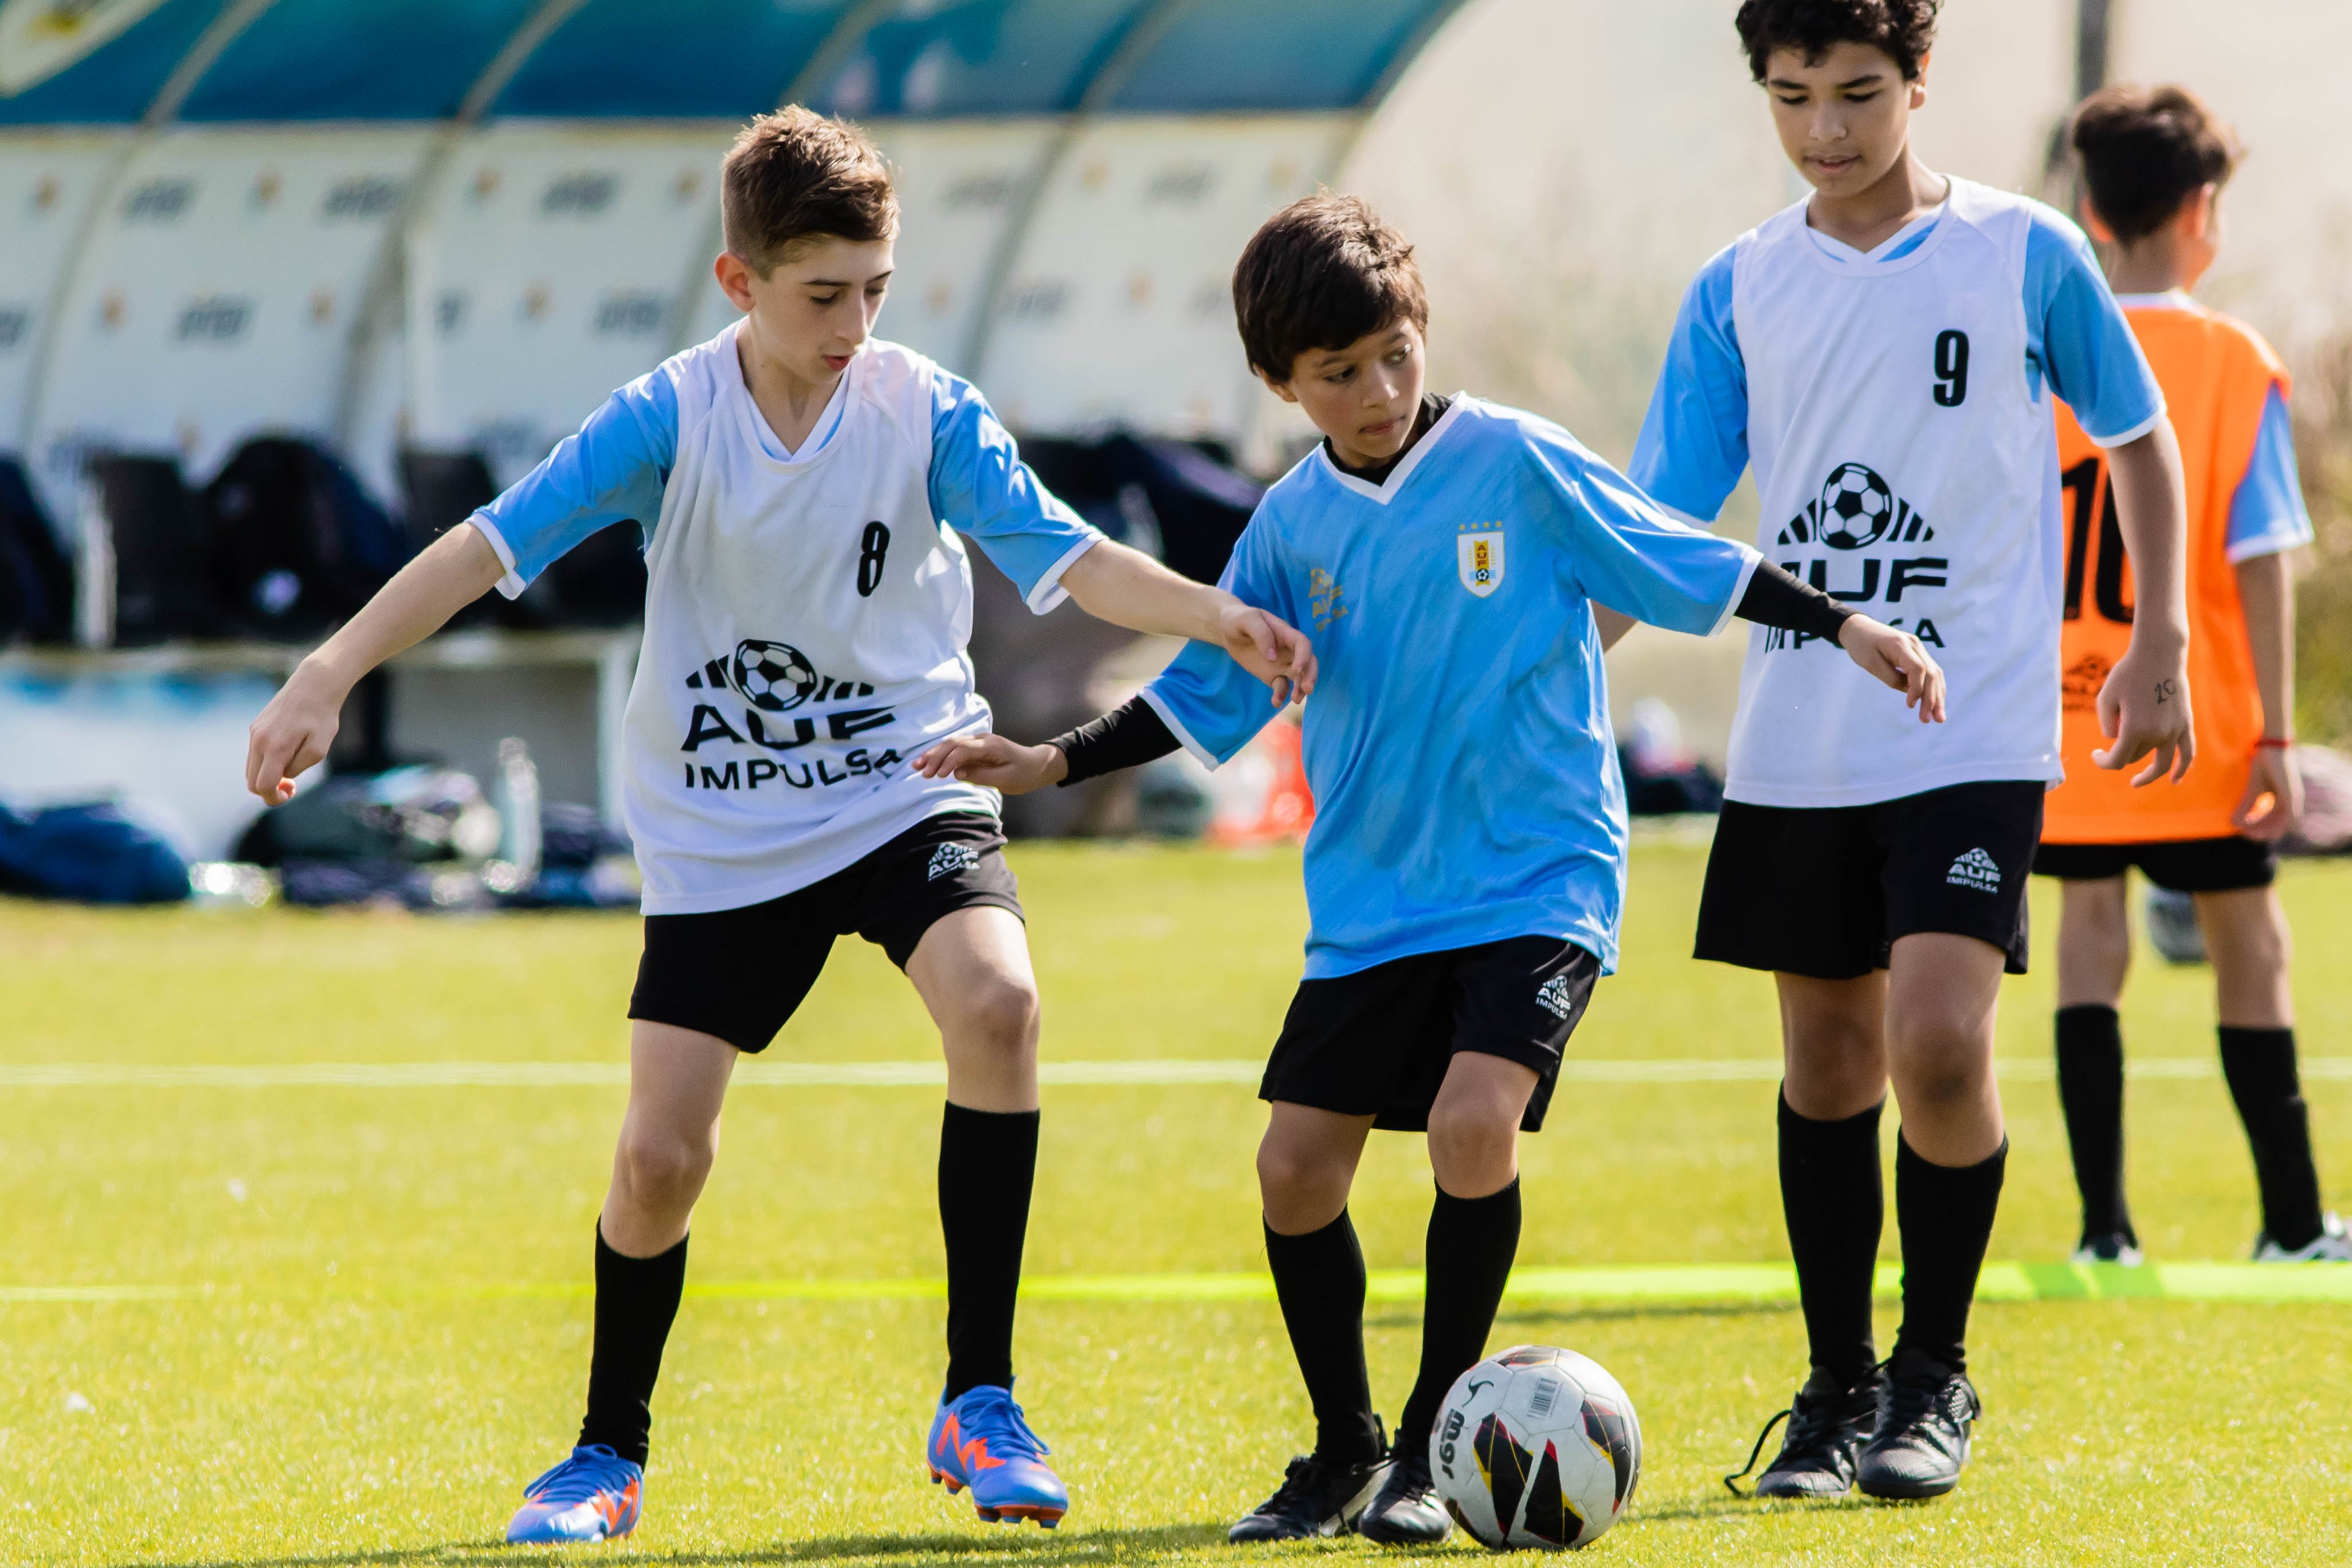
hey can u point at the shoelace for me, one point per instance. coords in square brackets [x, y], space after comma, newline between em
[1301, 1484]
[580, 1477]
[1808, 1433]
[1906, 1403]
[1409, 1475]
[1005, 1427]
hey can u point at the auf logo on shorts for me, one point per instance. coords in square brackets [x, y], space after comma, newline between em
[1557, 997]
[1975, 869]
[949, 859]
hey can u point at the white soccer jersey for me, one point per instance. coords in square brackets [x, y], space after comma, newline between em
[805, 614]
[1897, 409]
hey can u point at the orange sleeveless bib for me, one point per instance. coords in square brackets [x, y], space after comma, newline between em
[2217, 374]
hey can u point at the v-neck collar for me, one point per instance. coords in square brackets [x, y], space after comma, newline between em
[1904, 248]
[762, 435]
[1386, 491]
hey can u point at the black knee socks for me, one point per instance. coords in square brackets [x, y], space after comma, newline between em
[1945, 1217]
[636, 1301]
[1319, 1278]
[988, 1163]
[1835, 1203]
[2260, 1066]
[1471, 1242]
[2091, 1090]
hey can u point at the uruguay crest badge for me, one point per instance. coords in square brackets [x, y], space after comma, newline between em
[1480, 554]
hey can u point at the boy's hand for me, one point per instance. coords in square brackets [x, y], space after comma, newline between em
[1268, 647]
[1898, 659]
[2279, 776]
[995, 763]
[293, 733]
[2144, 708]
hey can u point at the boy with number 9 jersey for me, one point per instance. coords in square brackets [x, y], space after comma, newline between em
[1885, 354]
[801, 487]
[2154, 163]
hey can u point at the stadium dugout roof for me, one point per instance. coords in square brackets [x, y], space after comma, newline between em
[119, 62]
[225, 216]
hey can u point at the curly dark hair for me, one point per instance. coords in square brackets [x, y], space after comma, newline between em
[2146, 151]
[1904, 29]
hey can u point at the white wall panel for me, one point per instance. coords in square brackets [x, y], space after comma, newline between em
[216, 298]
[545, 273]
[47, 185]
[1121, 307]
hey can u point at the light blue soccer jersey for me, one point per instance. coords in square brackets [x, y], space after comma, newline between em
[1458, 744]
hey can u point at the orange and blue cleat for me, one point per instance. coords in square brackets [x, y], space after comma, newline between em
[982, 1440]
[592, 1496]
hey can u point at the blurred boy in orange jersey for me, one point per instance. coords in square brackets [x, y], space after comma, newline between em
[2154, 163]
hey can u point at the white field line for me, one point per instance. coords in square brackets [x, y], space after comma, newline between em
[916, 1074]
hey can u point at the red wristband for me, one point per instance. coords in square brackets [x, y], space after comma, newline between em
[2281, 742]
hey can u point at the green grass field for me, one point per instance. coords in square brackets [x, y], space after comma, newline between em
[288, 1323]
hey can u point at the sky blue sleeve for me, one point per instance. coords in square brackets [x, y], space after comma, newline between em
[2076, 336]
[613, 471]
[1629, 553]
[1694, 442]
[2267, 514]
[982, 488]
[1210, 703]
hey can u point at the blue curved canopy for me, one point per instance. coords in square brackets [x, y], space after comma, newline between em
[329, 60]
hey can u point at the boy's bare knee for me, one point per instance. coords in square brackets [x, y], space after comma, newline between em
[663, 1172]
[1001, 1012]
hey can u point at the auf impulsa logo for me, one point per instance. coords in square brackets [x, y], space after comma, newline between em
[1976, 871]
[1858, 514]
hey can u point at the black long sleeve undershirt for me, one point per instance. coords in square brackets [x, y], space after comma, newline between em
[1133, 734]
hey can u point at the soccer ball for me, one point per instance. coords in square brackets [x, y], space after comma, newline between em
[1857, 508]
[773, 676]
[1535, 1448]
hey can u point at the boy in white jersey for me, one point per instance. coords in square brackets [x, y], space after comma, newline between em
[801, 486]
[1885, 354]
[1467, 861]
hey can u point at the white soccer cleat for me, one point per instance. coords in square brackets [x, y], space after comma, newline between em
[2332, 1245]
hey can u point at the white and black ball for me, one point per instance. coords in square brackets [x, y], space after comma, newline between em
[1536, 1447]
[771, 676]
[1857, 508]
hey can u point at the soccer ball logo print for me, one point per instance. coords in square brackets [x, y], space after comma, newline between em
[1479, 556]
[774, 677]
[1857, 508]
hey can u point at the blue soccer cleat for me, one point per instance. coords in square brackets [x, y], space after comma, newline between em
[983, 1441]
[592, 1496]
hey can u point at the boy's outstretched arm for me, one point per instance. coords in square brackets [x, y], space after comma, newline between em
[1128, 588]
[295, 730]
[1776, 599]
[2143, 706]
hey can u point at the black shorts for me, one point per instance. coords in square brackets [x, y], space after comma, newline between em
[1826, 891]
[2183, 865]
[1377, 1043]
[740, 973]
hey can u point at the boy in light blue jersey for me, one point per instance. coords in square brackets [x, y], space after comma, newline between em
[1467, 862]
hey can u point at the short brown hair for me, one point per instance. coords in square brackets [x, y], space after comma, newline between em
[1903, 30]
[794, 176]
[1319, 274]
[2144, 151]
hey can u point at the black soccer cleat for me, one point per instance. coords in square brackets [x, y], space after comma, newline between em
[1406, 1512]
[1922, 1440]
[1315, 1499]
[1828, 1425]
[2110, 1247]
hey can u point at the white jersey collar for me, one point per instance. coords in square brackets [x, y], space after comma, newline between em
[1387, 491]
[762, 435]
[1928, 230]
[2171, 299]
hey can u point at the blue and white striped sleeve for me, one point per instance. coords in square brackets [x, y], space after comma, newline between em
[2267, 515]
[613, 471]
[2076, 336]
[1694, 442]
[981, 487]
